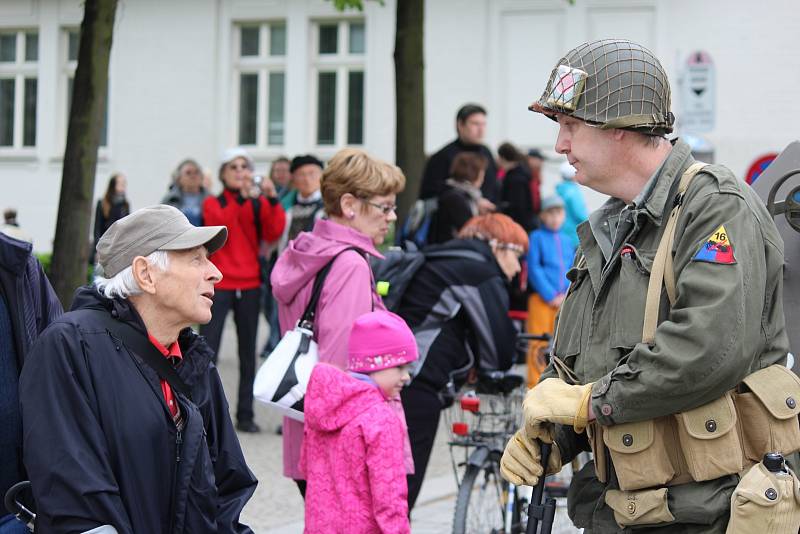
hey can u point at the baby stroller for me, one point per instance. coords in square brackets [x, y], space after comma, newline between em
[18, 501]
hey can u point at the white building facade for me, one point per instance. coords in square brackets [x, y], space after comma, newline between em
[189, 78]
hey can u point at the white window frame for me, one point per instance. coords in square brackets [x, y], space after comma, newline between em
[18, 71]
[68, 68]
[262, 65]
[342, 63]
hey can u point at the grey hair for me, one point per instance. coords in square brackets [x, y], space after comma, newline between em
[123, 284]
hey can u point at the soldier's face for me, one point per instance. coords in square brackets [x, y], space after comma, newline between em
[589, 149]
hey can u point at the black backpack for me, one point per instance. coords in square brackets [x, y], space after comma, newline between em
[393, 273]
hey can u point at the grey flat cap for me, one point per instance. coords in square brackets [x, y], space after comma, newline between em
[150, 229]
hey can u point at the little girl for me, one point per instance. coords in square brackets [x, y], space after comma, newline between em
[355, 451]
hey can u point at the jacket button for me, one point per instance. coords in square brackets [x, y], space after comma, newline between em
[711, 425]
[771, 494]
[114, 314]
[791, 403]
[627, 440]
[606, 409]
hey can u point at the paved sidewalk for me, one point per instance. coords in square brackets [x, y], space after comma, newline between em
[277, 508]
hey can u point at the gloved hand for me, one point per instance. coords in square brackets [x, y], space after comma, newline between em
[521, 463]
[553, 401]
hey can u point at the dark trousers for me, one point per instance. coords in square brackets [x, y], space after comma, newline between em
[422, 409]
[245, 304]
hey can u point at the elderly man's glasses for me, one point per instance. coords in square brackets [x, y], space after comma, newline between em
[386, 209]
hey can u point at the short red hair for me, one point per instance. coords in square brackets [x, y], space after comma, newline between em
[495, 226]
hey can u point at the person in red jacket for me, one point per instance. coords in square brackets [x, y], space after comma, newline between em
[251, 217]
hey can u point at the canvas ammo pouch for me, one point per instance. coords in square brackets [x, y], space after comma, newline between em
[767, 502]
[631, 508]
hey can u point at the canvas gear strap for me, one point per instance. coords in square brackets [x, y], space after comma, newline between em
[663, 270]
[139, 344]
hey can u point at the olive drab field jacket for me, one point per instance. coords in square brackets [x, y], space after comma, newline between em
[727, 322]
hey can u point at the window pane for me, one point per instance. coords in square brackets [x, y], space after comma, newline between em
[29, 115]
[31, 46]
[326, 108]
[355, 108]
[249, 41]
[328, 38]
[8, 47]
[7, 112]
[357, 45]
[275, 118]
[248, 108]
[277, 40]
[72, 46]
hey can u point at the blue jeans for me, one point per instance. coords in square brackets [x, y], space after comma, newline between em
[10, 525]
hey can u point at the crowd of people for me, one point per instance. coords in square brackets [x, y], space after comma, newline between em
[126, 424]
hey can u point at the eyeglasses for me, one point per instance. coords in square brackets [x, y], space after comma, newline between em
[513, 247]
[385, 208]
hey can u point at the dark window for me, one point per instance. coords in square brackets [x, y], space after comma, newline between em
[326, 108]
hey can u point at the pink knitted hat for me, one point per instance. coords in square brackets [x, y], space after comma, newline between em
[379, 340]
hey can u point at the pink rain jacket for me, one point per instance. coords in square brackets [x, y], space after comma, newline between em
[348, 293]
[352, 457]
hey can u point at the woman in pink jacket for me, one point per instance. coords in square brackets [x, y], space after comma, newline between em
[358, 194]
[356, 441]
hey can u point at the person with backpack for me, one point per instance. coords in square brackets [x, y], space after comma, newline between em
[355, 450]
[251, 218]
[457, 305]
[359, 194]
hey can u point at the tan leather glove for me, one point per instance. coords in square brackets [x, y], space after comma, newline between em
[553, 401]
[521, 463]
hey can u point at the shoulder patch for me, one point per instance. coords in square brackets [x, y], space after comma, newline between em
[716, 249]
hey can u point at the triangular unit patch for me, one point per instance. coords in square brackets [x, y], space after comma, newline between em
[717, 249]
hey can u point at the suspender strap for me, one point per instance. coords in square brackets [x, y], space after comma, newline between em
[138, 343]
[663, 270]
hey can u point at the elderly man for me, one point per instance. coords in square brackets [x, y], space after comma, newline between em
[669, 341]
[126, 426]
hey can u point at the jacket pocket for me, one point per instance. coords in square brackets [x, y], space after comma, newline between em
[569, 326]
[765, 502]
[709, 441]
[631, 296]
[631, 508]
[768, 412]
[639, 453]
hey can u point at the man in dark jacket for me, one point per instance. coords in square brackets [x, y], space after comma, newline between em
[27, 305]
[114, 439]
[471, 127]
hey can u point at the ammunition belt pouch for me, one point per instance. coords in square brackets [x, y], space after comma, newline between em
[717, 439]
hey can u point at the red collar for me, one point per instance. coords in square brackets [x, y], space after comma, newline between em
[174, 350]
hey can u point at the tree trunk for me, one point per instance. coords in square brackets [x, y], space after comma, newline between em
[409, 83]
[87, 112]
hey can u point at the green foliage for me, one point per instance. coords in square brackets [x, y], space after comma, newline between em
[358, 5]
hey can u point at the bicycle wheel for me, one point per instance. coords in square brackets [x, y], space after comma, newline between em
[481, 501]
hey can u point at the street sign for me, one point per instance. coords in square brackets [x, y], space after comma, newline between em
[758, 166]
[698, 94]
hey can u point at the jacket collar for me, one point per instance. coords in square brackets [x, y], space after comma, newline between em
[14, 253]
[660, 198]
[334, 231]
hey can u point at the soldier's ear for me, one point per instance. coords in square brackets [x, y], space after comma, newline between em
[143, 274]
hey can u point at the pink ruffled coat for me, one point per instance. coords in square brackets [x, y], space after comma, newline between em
[348, 293]
[353, 457]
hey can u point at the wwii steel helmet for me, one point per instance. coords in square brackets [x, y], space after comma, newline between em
[611, 83]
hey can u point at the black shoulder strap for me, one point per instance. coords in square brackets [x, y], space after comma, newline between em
[307, 319]
[222, 200]
[139, 344]
[455, 253]
[257, 218]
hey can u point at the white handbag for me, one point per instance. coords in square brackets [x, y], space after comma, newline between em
[282, 379]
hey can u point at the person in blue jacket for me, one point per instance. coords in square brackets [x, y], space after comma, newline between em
[112, 445]
[549, 258]
[574, 204]
[27, 305]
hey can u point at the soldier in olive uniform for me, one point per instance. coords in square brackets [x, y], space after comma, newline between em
[611, 99]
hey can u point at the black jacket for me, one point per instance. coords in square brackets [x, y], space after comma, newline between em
[437, 170]
[101, 447]
[455, 207]
[455, 307]
[516, 199]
